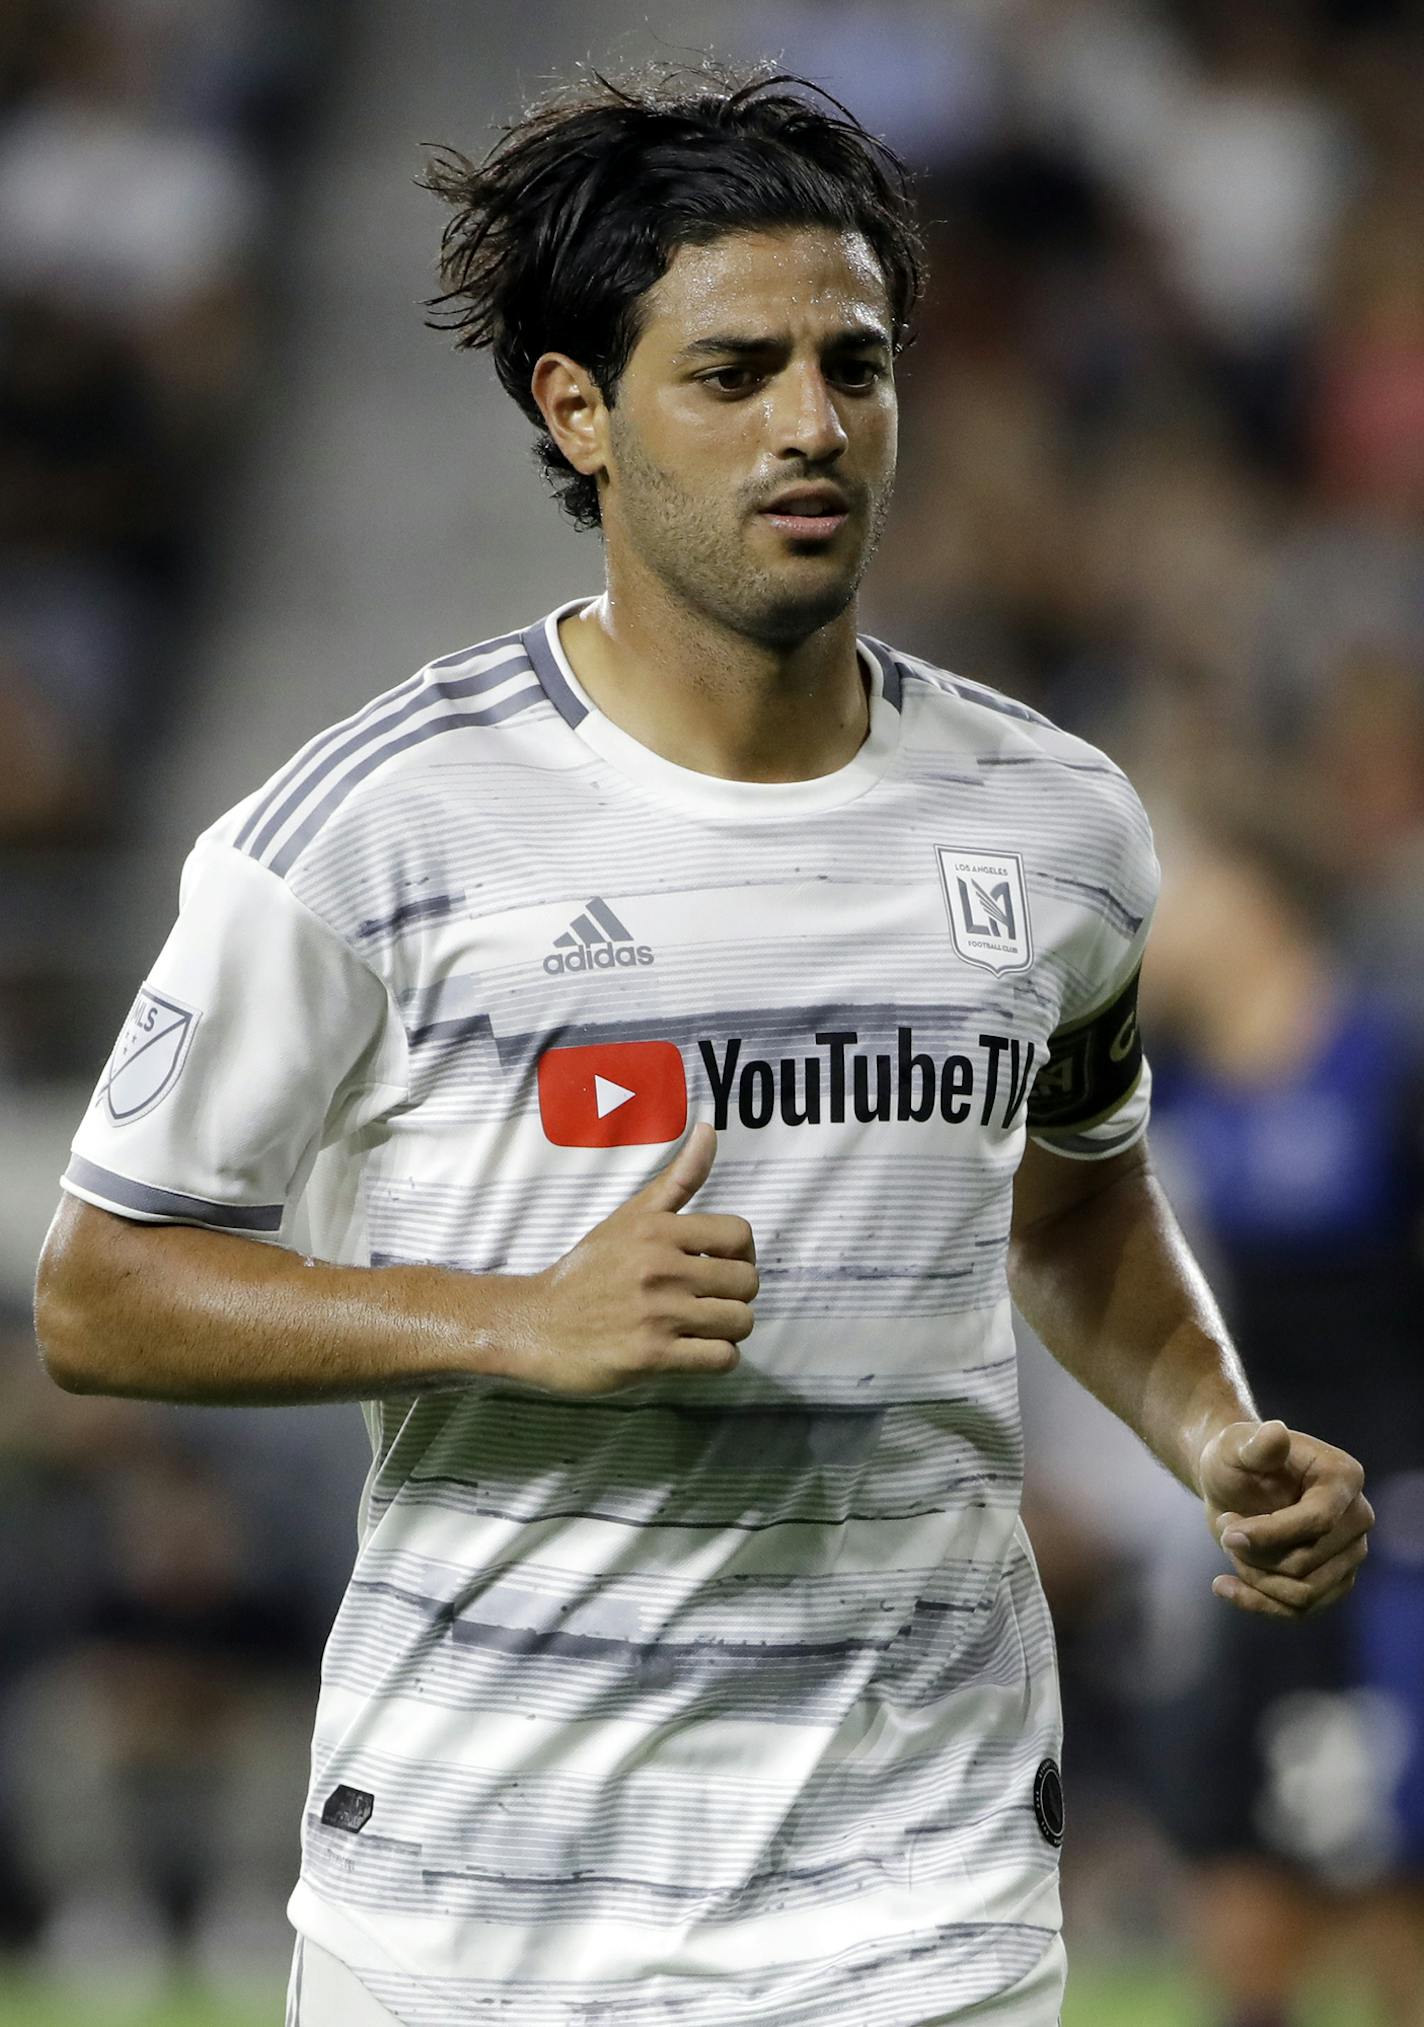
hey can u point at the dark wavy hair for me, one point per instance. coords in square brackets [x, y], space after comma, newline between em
[576, 212]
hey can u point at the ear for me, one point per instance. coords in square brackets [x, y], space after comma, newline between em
[573, 411]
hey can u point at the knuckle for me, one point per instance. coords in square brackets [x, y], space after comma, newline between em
[659, 1269]
[649, 1347]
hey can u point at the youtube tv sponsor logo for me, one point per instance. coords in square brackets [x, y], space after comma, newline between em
[634, 1094]
[845, 1083]
[613, 1094]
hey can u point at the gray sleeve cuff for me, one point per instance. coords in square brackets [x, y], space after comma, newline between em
[164, 1206]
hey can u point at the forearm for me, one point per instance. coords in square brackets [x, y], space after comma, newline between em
[178, 1314]
[1111, 1287]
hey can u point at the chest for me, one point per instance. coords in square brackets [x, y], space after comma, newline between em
[776, 983]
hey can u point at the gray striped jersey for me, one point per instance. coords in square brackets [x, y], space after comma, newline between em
[715, 1699]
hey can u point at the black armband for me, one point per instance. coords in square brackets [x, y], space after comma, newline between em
[1092, 1067]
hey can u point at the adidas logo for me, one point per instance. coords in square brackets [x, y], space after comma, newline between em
[595, 941]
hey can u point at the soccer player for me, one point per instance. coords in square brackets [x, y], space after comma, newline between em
[678, 963]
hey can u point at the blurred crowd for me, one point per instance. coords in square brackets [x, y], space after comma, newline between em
[1162, 477]
[143, 148]
[160, 1593]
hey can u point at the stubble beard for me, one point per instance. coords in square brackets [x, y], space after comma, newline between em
[701, 556]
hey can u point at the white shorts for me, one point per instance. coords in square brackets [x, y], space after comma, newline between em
[323, 1993]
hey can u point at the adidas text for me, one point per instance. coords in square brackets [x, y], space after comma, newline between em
[598, 957]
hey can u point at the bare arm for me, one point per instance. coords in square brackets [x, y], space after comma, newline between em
[169, 1312]
[1099, 1267]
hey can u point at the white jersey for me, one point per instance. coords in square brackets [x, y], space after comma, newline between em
[729, 1698]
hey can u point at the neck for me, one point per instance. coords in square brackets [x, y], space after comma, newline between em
[710, 699]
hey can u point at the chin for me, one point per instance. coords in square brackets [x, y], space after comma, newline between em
[783, 616]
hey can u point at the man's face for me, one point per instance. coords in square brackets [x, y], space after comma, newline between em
[762, 380]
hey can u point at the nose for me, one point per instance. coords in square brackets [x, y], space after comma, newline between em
[806, 420]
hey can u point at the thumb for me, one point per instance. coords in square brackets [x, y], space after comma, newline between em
[1266, 1448]
[679, 1182]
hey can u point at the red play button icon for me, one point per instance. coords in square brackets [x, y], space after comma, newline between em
[613, 1094]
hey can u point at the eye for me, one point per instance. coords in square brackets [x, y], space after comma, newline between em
[858, 373]
[732, 379]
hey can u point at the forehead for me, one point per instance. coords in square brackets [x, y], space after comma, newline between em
[767, 283]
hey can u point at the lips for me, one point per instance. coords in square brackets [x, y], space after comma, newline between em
[808, 513]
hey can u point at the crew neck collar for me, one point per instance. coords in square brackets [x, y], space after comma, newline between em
[714, 794]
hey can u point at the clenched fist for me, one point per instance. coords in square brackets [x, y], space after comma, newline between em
[652, 1289]
[1290, 1512]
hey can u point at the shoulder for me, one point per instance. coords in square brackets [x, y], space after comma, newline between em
[956, 713]
[360, 825]
[383, 754]
[953, 724]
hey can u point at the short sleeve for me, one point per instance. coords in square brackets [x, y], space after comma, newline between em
[257, 1038]
[1093, 1096]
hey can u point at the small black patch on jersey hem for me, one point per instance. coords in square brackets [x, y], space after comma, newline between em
[1048, 1802]
[348, 1809]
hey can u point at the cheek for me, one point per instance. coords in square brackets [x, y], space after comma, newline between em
[709, 436]
[882, 434]
[701, 453]
[690, 422]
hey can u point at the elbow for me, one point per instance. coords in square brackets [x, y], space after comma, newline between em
[68, 1331]
[73, 1379]
[62, 1337]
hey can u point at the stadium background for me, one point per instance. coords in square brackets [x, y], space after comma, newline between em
[1163, 476]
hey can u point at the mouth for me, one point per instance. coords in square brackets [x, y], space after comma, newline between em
[808, 513]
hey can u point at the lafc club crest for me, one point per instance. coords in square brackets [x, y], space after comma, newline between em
[988, 908]
[150, 1052]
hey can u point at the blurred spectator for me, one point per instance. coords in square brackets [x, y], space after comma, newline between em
[91, 535]
[135, 146]
[1369, 412]
[106, 202]
[1290, 1113]
[165, 1587]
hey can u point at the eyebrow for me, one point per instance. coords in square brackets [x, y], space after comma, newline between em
[844, 340]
